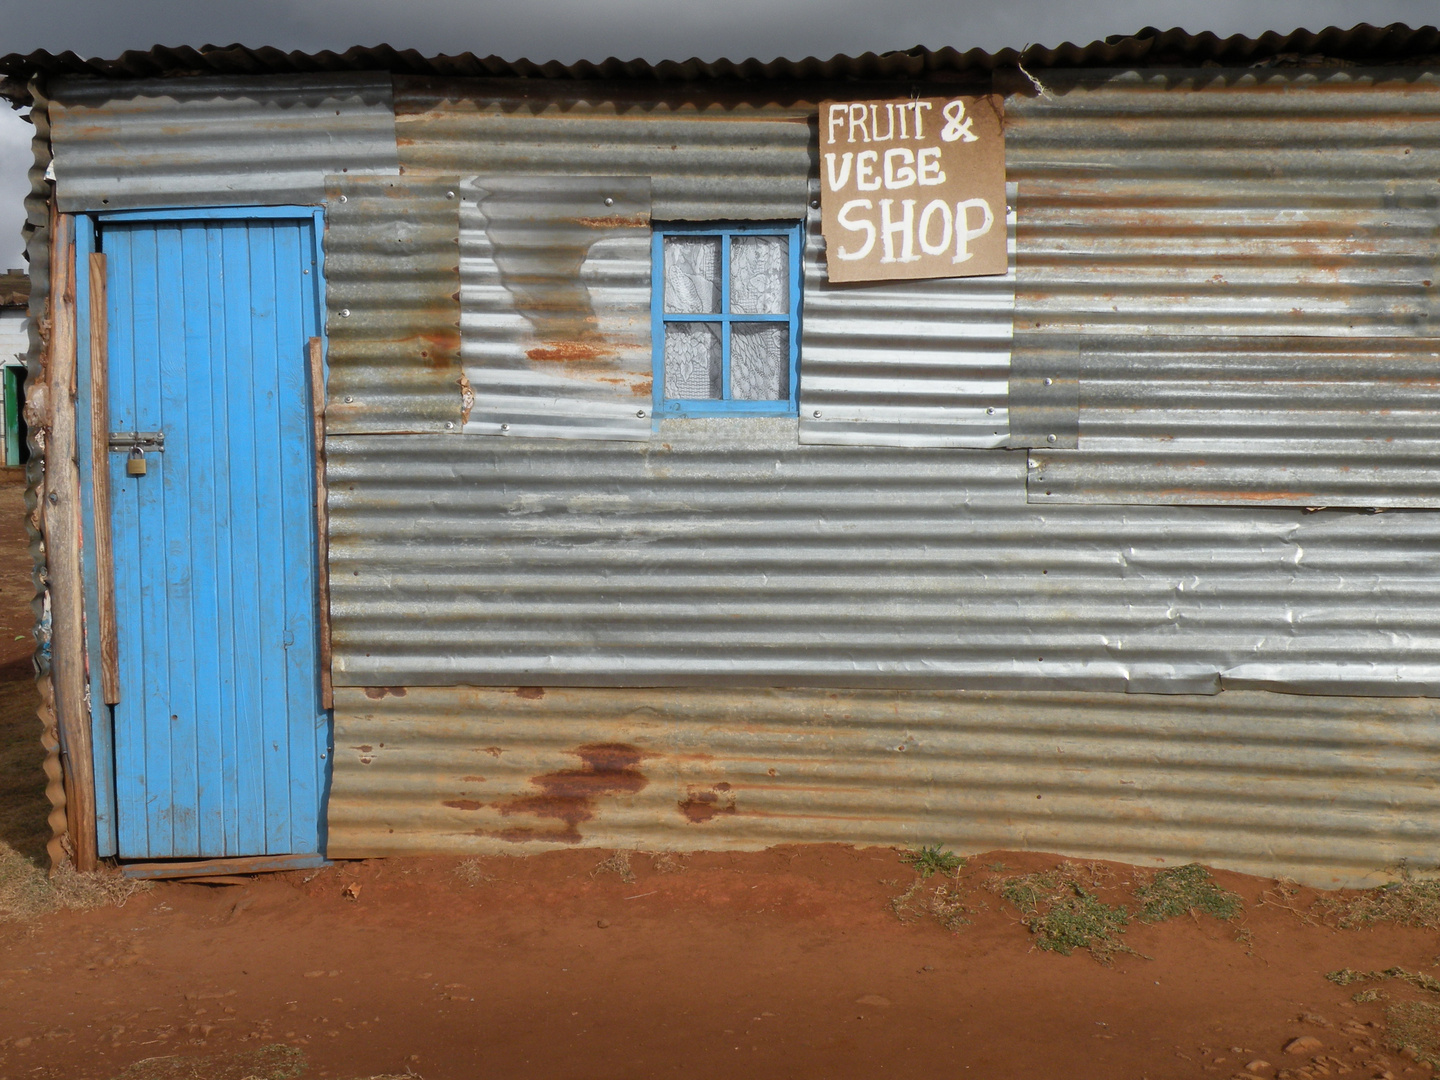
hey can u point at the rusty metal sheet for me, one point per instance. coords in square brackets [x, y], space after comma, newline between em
[914, 363]
[1229, 275]
[724, 552]
[705, 164]
[555, 302]
[392, 295]
[228, 140]
[1330, 791]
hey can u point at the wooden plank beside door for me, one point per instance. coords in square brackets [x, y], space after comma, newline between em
[100, 480]
[322, 517]
[62, 552]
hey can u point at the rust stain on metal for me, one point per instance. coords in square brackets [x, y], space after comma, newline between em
[702, 804]
[378, 692]
[569, 352]
[616, 221]
[463, 804]
[531, 693]
[467, 398]
[493, 751]
[472, 779]
[568, 796]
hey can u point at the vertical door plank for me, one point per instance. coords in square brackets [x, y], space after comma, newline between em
[322, 518]
[100, 479]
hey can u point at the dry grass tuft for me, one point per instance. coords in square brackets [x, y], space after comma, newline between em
[1182, 890]
[1415, 1026]
[1349, 976]
[1063, 914]
[274, 1062]
[618, 863]
[1411, 901]
[472, 872]
[27, 893]
[667, 862]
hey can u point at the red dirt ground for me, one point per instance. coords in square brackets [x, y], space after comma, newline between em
[783, 963]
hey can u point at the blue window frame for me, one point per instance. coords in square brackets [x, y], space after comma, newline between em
[722, 320]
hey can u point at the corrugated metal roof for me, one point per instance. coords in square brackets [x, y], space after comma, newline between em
[1149, 47]
[907, 363]
[723, 552]
[1237, 271]
[217, 141]
[1324, 790]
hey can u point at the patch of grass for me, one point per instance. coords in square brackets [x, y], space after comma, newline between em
[1181, 890]
[946, 904]
[1363, 997]
[1411, 901]
[26, 892]
[667, 862]
[274, 1062]
[1349, 976]
[618, 863]
[1064, 915]
[472, 872]
[932, 860]
[1415, 1026]
[997, 867]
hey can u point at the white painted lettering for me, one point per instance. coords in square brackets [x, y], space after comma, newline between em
[863, 224]
[941, 207]
[931, 175]
[858, 120]
[837, 117]
[963, 233]
[865, 178]
[875, 123]
[902, 176]
[838, 181]
[904, 228]
[919, 131]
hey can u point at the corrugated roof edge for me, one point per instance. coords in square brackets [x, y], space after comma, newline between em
[1150, 47]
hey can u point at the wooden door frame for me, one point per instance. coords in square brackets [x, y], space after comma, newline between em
[100, 824]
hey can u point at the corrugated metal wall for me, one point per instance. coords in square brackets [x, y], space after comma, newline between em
[709, 158]
[1325, 790]
[1239, 269]
[725, 552]
[907, 363]
[555, 305]
[216, 141]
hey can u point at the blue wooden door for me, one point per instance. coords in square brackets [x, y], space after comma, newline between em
[220, 741]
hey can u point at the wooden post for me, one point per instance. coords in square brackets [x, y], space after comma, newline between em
[100, 472]
[322, 517]
[62, 552]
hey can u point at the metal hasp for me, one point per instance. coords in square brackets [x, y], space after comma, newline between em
[138, 440]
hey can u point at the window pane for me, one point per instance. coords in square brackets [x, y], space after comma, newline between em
[692, 275]
[692, 360]
[760, 275]
[759, 361]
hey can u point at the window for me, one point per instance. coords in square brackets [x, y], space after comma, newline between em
[725, 321]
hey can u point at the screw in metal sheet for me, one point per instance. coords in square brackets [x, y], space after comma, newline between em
[1049, 438]
[816, 414]
[344, 199]
[344, 312]
[449, 425]
[814, 204]
[990, 411]
[348, 399]
[1048, 381]
[609, 201]
[504, 427]
[640, 414]
[449, 194]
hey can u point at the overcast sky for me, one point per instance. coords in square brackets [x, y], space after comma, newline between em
[569, 30]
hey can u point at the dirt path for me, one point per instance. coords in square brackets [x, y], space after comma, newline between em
[785, 963]
[23, 806]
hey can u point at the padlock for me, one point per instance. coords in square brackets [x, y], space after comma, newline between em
[135, 463]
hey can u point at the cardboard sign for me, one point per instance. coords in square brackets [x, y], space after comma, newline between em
[913, 188]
